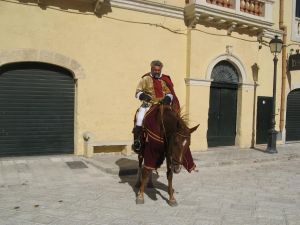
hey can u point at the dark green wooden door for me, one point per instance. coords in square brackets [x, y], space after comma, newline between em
[293, 116]
[222, 115]
[263, 118]
[36, 109]
[222, 105]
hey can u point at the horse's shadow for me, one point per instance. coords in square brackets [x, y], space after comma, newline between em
[128, 169]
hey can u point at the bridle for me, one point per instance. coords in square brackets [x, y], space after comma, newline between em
[173, 162]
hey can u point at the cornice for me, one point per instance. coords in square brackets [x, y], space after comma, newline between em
[149, 7]
[207, 83]
[270, 33]
[231, 19]
[232, 16]
[197, 82]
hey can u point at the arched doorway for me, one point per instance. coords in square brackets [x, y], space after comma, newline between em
[293, 116]
[36, 109]
[222, 105]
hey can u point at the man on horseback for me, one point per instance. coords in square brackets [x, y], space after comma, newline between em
[166, 135]
[154, 87]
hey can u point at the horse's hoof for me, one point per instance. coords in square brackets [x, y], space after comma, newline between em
[150, 185]
[139, 200]
[173, 203]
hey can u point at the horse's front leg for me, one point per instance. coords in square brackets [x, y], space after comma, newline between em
[140, 196]
[172, 201]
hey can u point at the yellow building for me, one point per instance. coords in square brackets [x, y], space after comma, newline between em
[290, 111]
[69, 69]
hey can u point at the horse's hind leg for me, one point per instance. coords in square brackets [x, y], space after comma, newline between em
[140, 196]
[139, 172]
[138, 178]
[150, 180]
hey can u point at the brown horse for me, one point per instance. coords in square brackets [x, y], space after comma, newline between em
[176, 138]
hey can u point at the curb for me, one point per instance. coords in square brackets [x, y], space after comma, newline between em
[132, 170]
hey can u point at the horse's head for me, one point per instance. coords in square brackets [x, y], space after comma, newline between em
[177, 135]
[179, 143]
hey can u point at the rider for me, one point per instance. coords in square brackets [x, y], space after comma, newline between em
[154, 87]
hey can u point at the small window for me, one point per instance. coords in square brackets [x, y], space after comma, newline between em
[297, 9]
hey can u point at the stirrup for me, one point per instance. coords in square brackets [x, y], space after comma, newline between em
[136, 146]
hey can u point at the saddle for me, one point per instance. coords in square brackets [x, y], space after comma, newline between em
[152, 151]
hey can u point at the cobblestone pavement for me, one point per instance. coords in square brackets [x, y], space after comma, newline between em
[48, 190]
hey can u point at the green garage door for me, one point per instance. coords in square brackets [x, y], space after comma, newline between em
[36, 109]
[293, 116]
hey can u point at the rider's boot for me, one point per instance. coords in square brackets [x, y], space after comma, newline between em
[137, 134]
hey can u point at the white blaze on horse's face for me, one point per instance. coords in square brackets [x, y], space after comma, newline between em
[184, 142]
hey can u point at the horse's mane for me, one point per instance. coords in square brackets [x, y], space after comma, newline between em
[173, 120]
[184, 117]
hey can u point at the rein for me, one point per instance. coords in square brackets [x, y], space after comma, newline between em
[164, 134]
[182, 135]
[162, 121]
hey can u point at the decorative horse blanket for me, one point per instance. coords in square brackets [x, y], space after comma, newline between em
[153, 151]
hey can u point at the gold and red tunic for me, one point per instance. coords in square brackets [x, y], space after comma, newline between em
[158, 88]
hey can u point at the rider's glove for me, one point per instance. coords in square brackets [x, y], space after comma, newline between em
[145, 97]
[167, 100]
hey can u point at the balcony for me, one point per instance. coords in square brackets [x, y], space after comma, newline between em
[253, 17]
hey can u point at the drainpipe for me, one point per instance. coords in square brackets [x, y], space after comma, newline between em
[283, 66]
[188, 70]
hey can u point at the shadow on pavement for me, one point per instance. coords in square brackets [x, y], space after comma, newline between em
[260, 149]
[128, 174]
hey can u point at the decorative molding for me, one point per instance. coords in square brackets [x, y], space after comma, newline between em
[229, 49]
[149, 7]
[246, 87]
[207, 83]
[102, 7]
[41, 3]
[33, 55]
[231, 19]
[270, 33]
[232, 59]
[231, 28]
[232, 14]
[197, 82]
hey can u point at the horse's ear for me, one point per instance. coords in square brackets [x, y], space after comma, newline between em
[194, 128]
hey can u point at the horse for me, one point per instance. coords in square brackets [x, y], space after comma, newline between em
[174, 139]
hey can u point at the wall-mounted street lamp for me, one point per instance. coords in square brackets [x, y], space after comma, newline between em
[275, 48]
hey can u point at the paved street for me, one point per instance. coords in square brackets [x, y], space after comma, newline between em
[49, 190]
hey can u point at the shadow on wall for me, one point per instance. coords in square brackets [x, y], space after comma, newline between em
[96, 7]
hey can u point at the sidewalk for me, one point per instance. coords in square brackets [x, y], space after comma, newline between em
[127, 165]
[233, 187]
